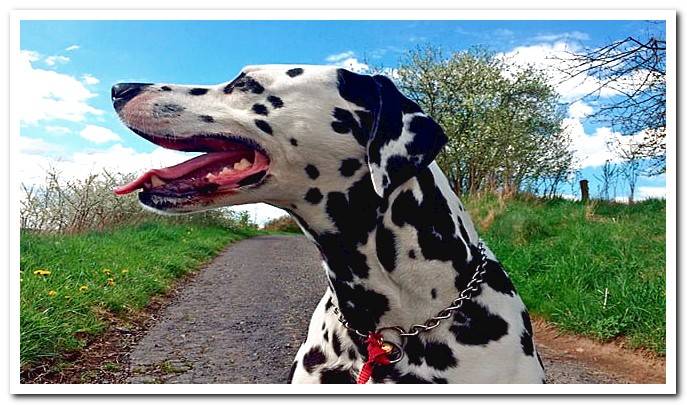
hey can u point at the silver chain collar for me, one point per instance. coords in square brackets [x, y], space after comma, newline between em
[433, 322]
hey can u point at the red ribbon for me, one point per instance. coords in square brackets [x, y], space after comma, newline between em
[375, 355]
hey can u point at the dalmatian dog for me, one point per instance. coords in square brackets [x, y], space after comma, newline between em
[352, 160]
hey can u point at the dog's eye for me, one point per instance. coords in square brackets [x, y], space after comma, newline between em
[238, 82]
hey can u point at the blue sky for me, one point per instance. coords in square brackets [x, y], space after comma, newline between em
[68, 117]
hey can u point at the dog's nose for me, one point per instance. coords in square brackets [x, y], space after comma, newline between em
[123, 92]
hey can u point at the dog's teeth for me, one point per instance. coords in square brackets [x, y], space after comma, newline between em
[210, 177]
[243, 164]
[156, 181]
[225, 171]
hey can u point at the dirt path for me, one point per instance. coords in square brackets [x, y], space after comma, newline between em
[242, 318]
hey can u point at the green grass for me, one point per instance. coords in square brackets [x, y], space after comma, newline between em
[97, 274]
[566, 259]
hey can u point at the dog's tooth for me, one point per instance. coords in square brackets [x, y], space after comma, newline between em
[156, 181]
[243, 164]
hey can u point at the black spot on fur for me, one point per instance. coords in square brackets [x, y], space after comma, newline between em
[260, 109]
[325, 335]
[197, 91]
[526, 321]
[293, 142]
[437, 380]
[167, 110]
[411, 254]
[166, 88]
[386, 248]
[349, 167]
[433, 293]
[336, 343]
[473, 324]
[275, 101]
[496, 278]
[345, 123]
[414, 349]
[526, 336]
[439, 355]
[351, 354]
[526, 343]
[324, 325]
[313, 358]
[313, 196]
[354, 215]
[264, 126]
[436, 231]
[206, 118]
[312, 171]
[336, 376]
[294, 72]
[328, 304]
[291, 372]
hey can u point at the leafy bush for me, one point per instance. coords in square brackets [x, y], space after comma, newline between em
[282, 224]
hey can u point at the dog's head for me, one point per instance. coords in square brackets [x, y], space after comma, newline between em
[271, 132]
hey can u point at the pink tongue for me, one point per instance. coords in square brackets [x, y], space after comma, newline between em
[174, 172]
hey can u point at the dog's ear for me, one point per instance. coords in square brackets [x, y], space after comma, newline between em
[403, 140]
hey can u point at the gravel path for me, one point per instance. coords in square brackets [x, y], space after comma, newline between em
[243, 317]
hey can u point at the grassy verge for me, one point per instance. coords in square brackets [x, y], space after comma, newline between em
[70, 282]
[596, 269]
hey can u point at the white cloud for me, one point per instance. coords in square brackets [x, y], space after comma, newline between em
[55, 59]
[99, 134]
[348, 61]
[72, 48]
[57, 130]
[89, 79]
[503, 32]
[575, 35]
[579, 109]
[36, 146]
[552, 59]
[46, 94]
[592, 150]
[354, 65]
[340, 56]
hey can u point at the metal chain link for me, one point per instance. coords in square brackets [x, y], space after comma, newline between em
[433, 322]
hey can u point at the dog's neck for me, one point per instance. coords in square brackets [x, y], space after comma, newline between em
[395, 261]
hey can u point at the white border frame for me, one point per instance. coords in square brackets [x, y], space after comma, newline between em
[670, 387]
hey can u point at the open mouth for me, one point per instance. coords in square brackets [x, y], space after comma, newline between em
[230, 163]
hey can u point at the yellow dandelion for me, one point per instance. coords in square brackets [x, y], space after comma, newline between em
[124, 271]
[107, 271]
[110, 282]
[42, 272]
[52, 293]
[83, 288]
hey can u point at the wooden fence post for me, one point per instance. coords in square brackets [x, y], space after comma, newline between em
[584, 188]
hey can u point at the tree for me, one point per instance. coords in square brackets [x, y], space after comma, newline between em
[503, 122]
[632, 75]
